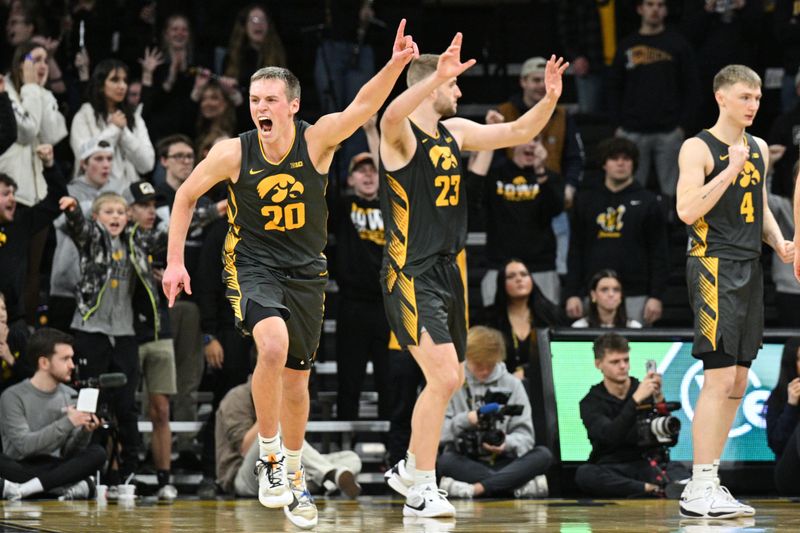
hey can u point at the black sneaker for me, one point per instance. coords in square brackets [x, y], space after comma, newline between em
[207, 490]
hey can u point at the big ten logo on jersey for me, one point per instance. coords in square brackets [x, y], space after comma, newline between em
[368, 222]
[285, 193]
[519, 190]
[611, 223]
[443, 159]
[748, 178]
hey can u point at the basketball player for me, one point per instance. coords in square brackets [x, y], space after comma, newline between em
[722, 197]
[275, 272]
[425, 215]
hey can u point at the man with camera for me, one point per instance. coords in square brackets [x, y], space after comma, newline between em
[45, 438]
[629, 446]
[489, 446]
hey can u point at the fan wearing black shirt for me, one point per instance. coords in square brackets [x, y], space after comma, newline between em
[362, 332]
[521, 197]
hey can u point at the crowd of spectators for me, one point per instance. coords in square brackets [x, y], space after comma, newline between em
[106, 107]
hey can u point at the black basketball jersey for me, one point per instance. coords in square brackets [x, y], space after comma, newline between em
[732, 228]
[424, 204]
[276, 210]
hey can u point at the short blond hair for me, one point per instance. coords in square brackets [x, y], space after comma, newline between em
[279, 73]
[107, 198]
[421, 68]
[485, 345]
[733, 74]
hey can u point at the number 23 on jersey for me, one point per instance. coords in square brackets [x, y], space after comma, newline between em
[448, 190]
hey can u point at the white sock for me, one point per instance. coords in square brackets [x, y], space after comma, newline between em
[715, 469]
[269, 446]
[30, 487]
[424, 477]
[703, 473]
[292, 459]
[411, 464]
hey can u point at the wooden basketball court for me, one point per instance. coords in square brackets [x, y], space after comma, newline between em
[380, 514]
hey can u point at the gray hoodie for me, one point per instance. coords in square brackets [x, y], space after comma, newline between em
[518, 429]
[783, 273]
[66, 271]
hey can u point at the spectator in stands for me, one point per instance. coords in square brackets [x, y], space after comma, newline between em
[254, 43]
[721, 33]
[618, 466]
[237, 452]
[177, 157]
[786, 20]
[784, 142]
[14, 366]
[787, 289]
[653, 94]
[606, 304]
[20, 27]
[38, 122]
[18, 229]
[521, 198]
[515, 465]
[101, 21]
[156, 352]
[619, 225]
[521, 309]
[172, 108]
[94, 178]
[589, 32]
[216, 111]
[8, 124]
[45, 439]
[362, 333]
[107, 116]
[112, 253]
[783, 421]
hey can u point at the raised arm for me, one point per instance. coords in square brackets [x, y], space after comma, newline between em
[332, 129]
[694, 198]
[474, 136]
[222, 162]
[396, 134]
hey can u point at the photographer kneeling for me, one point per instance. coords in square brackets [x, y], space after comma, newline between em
[627, 458]
[489, 446]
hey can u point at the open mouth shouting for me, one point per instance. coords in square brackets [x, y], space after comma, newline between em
[264, 125]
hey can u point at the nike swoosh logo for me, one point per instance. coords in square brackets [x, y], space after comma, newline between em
[254, 172]
[723, 157]
[419, 507]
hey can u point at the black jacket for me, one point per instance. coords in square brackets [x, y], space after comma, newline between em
[625, 231]
[781, 423]
[8, 123]
[611, 425]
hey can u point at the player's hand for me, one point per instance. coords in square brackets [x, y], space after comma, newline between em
[450, 65]
[574, 307]
[785, 250]
[738, 154]
[175, 280]
[404, 48]
[652, 310]
[214, 353]
[498, 450]
[67, 203]
[553, 72]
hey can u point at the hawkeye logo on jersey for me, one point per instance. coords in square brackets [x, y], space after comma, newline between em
[519, 190]
[611, 223]
[278, 189]
[368, 223]
[749, 176]
[442, 156]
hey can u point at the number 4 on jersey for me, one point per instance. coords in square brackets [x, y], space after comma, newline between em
[747, 209]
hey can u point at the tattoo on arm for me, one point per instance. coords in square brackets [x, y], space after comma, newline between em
[712, 189]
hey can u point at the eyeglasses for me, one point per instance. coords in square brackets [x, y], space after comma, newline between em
[185, 156]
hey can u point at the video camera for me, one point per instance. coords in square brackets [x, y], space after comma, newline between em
[112, 380]
[493, 410]
[655, 426]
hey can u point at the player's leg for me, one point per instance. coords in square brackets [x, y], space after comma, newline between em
[272, 345]
[443, 375]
